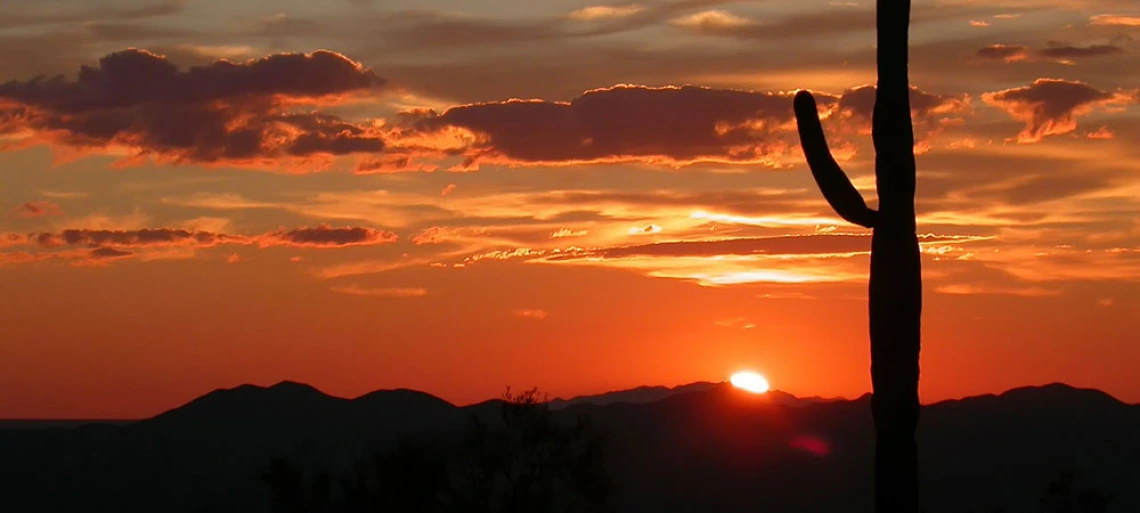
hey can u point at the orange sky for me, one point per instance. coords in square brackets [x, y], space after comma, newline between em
[462, 196]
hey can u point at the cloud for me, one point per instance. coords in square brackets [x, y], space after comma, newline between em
[598, 12]
[27, 15]
[711, 21]
[382, 164]
[566, 232]
[37, 209]
[970, 289]
[225, 112]
[146, 237]
[1115, 19]
[672, 125]
[737, 322]
[645, 230]
[102, 253]
[823, 245]
[13, 239]
[623, 123]
[1057, 52]
[837, 20]
[1051, 106]
[1007, 53]
[1077, 52]
[393, 292]
[325, 236]
[534, 314]
[65, 194]
[121, 243]
[442, 234]
[929, 112]
[821, 258]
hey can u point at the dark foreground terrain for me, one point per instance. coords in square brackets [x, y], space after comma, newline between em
[704, 448]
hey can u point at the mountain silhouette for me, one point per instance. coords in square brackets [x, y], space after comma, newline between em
[705, 447]
[650, 394]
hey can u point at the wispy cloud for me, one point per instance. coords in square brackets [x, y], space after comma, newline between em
[389, 292]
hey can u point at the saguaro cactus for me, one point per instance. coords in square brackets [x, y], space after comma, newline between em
[895, 292]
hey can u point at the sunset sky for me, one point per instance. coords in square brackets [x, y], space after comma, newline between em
[457, 196]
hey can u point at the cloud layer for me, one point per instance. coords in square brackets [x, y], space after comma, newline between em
[106, 244]
[1051, 106]
[223, 112]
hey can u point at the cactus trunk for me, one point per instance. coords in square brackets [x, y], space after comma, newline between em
[895, 291]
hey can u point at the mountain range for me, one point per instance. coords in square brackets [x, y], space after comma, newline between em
[703, 447]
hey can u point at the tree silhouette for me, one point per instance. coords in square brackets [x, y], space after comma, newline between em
[523, 460]
[895, 292]
[1062, 496]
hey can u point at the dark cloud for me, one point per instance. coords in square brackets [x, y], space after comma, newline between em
[102, 253]
[1057, 51]
[1051, 106]
[427, 30]
[672, 125]
[37, 209]
[223, 112]
[1007, 53]
[928, 111]
[322, 236]
[1077, 52]
[833, 21]
[860, 101]
[624, 123]
[328, 236]
[132, 238]
[29, 14]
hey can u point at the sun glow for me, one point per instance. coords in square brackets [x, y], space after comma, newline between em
[749, 381]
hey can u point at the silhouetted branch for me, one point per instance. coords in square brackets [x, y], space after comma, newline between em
[833, 182]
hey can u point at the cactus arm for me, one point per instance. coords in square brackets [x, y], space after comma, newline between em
[836, 187]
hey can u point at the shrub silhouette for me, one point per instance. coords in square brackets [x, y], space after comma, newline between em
[522, 461]
[1062, 496]
[895, 291]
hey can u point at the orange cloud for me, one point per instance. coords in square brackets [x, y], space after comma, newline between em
[1101, 133]
[601, 12]
[1115, 19]
[840, 244]
[441, 234]
[393, 292]
[236, 113]
[535, 314]
[1051, 106]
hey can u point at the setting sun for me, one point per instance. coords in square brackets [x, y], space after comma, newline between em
[749, 381]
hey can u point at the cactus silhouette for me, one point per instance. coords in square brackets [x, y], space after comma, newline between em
[895, 291]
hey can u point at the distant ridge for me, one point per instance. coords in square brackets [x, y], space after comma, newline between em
[770, 452]
[652, 394]
[639, 395]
